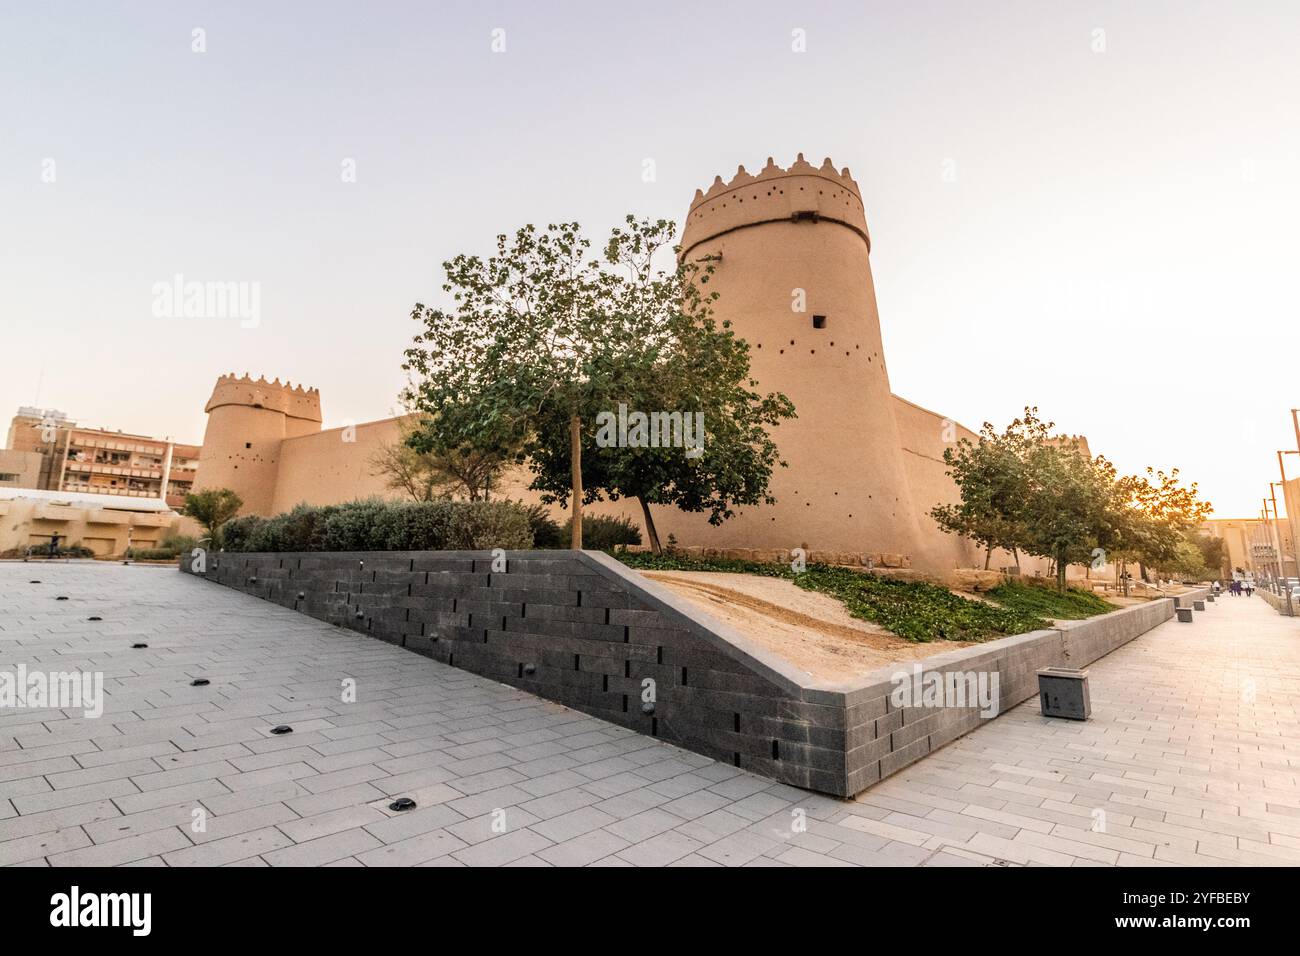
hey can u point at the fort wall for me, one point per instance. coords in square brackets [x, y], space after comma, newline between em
[790, 250]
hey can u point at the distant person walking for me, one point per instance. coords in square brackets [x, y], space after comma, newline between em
[54, 546]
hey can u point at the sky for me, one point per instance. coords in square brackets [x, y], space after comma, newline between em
[1089, 207]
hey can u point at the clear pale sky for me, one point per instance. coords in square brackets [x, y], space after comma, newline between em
[1119, 245]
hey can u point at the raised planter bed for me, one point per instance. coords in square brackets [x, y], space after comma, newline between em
[582, 629]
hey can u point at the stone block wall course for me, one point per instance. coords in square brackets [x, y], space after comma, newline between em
[582, 629]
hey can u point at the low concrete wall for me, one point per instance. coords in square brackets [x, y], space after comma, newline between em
[1278, 602]
[902, 735]
[1187, 597]
[580, 628]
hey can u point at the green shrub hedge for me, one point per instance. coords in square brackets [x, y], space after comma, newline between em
[180, 543]
[913, 610]
[152, 554]
[1040, 597]
[547, 534]
[374, 525]
[602, 534]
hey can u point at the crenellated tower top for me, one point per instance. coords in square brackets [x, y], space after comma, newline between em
[803, 192]
[295, 401]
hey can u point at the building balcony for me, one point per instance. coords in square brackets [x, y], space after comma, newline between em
[107, 516]
[50, 512]
[85, 488]
[141, 520]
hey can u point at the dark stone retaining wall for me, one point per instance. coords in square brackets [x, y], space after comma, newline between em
[574, 627]
[885, 738]
[580, 628]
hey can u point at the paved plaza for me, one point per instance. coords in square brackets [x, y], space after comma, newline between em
[1192, 755]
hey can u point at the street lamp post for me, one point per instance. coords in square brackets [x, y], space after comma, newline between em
[1290, 511]
[1277, 528]
[1270, 534]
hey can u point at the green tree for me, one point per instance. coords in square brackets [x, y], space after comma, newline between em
[992, 476]
[687, 374]
[544, 336]
[1068, 513]
[1214, 552]
[212, 508]
[422, 470]
[516, 349]
[1159, 517]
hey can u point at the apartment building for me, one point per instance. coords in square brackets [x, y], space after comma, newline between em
[100, 462]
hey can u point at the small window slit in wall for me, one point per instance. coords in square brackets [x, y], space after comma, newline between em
[627, 634]
[819, 321]
[736, 722]
[660, 659]
[736, 759]
[604, 684]
[776, 751]
[577, 662]
[606, 615]
[654, 726]
[625, 703]
[579, 599]
[627, 669]
[684, 677]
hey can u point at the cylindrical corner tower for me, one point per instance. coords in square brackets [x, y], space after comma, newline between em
[793, 275]
[247, 421]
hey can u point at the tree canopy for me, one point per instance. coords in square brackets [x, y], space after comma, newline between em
[546, 338]
[212, 508]
[1024, 490]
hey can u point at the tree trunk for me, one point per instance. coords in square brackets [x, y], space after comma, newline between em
[1015, 554]
[650, 531]
[575, 456]
[1060, 573]
[988, 554]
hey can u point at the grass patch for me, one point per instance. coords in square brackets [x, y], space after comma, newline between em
[1070, 604]
[913, 610]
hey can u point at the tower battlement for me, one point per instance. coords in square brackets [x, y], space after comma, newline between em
[803, 192]
[291, 400]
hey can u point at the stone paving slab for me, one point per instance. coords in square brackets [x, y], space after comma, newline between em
[1192, 756]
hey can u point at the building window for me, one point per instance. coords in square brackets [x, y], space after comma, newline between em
[819, 321]
[8, 476]
[248, 444]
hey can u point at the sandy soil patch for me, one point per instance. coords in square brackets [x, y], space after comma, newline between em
[813, 632]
